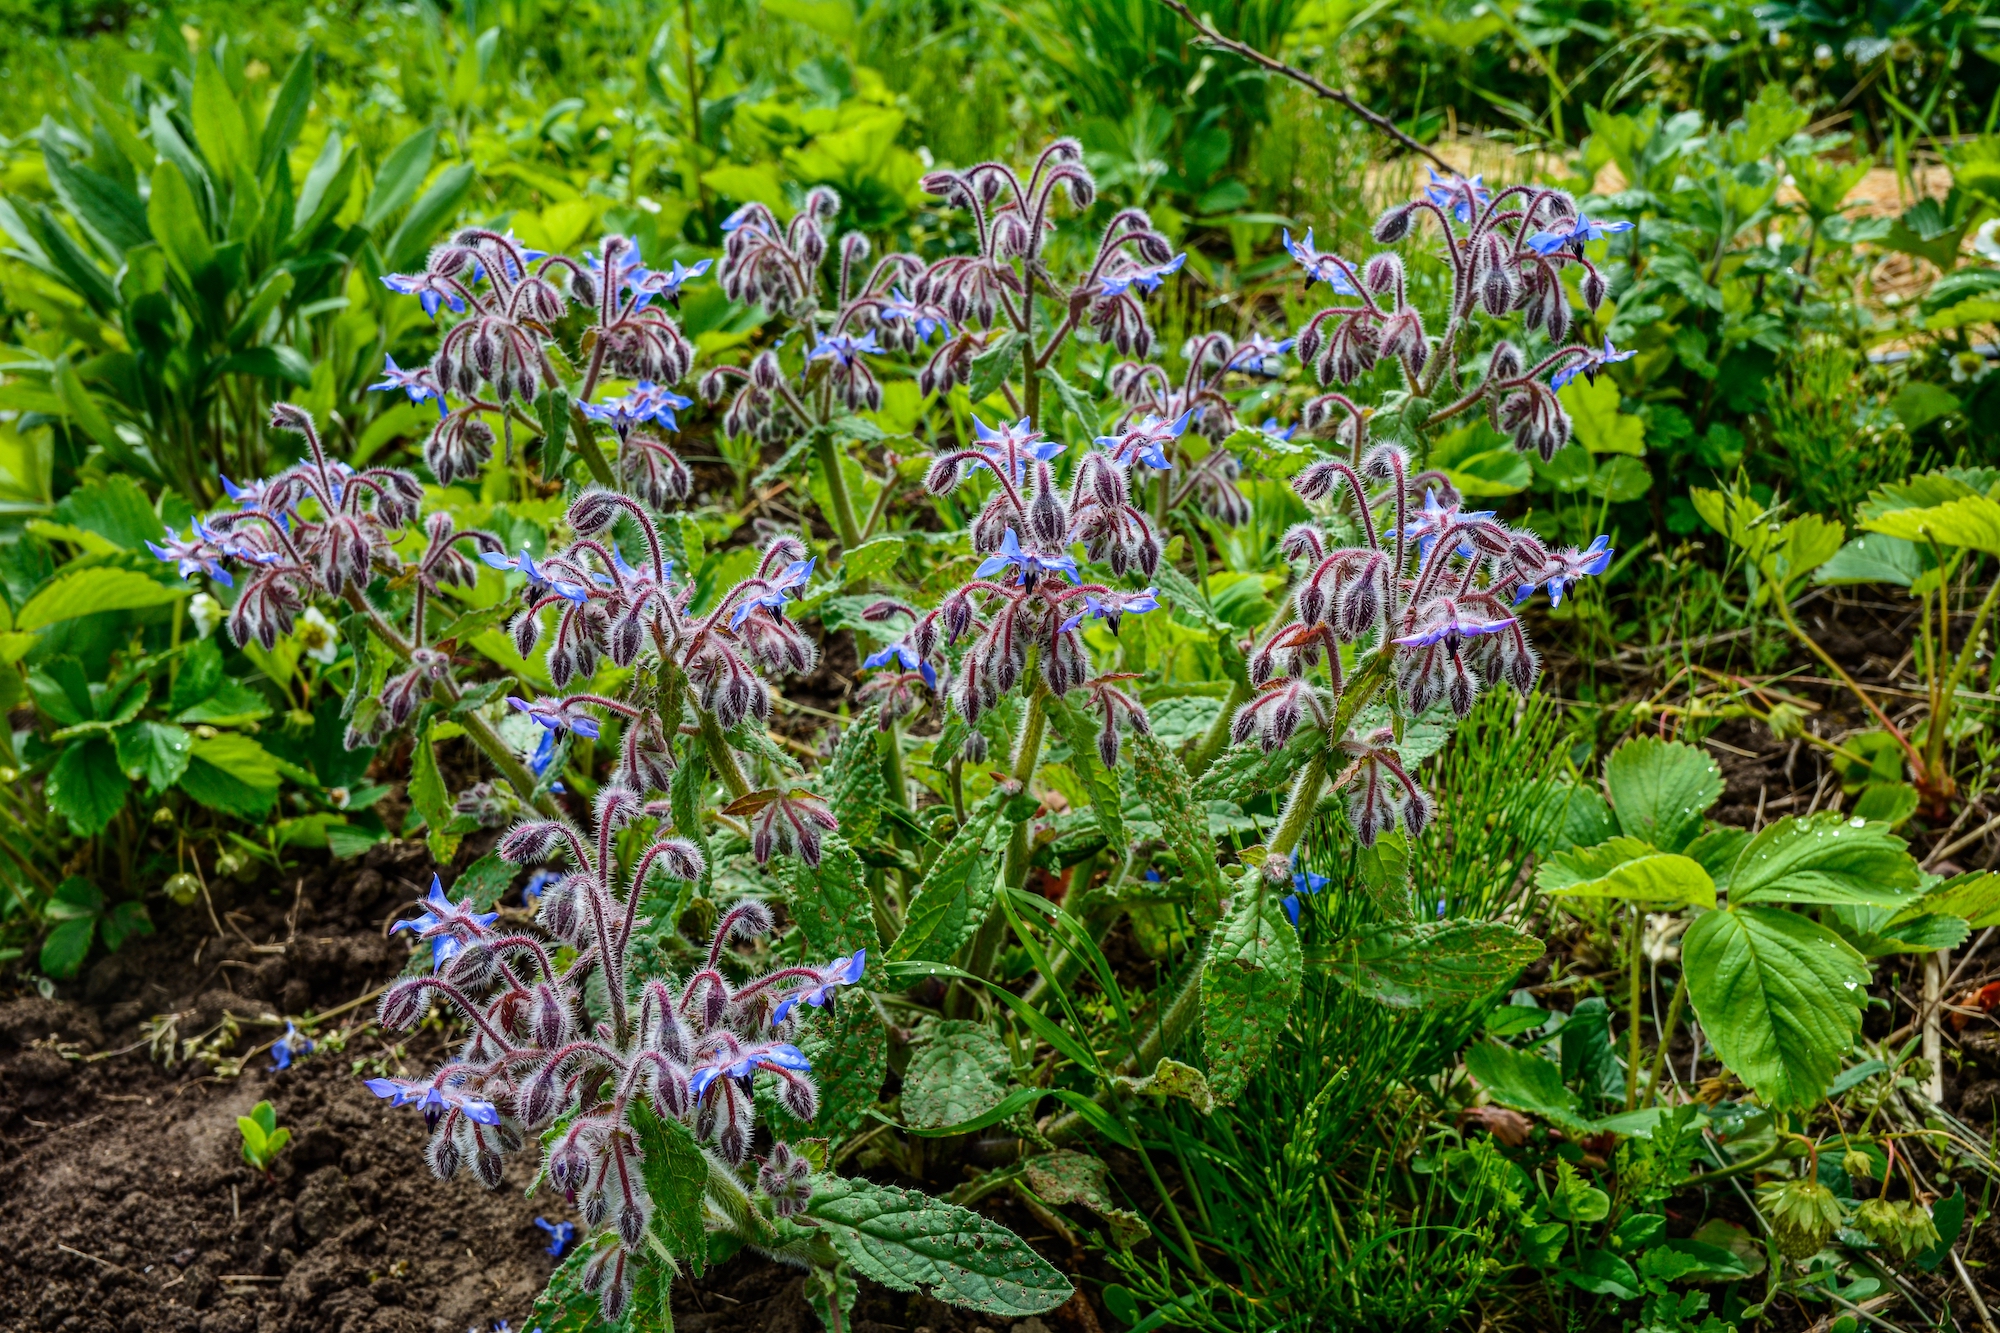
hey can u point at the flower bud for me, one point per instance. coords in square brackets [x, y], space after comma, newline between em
[403, 1005]
[1394, 224]
[1803, 1214]
[593, 512]
[1593, 288]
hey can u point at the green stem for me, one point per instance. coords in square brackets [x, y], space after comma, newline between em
[1634, 1051]
[1216, 738]
[836, 486]
[1304, 800]
[891, 743]
[1014, 869]
[1674, 1007]
[722, 758]
[1744, 1167]
[1965, 652]
[1166, 1200]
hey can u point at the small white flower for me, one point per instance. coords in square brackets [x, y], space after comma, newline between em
[318, 637]
[207, 614]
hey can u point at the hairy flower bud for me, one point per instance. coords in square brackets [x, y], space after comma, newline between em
[593, 512]
[1394, 224]
[403, 1005]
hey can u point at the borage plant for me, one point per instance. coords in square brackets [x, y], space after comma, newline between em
[644, 1086]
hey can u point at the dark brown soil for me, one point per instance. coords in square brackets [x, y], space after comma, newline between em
[130, 1208]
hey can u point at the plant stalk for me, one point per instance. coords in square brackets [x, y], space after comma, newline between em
[836, 487]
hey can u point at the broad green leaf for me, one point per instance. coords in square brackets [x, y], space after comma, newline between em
[1078, 405]
[852, 782]
[676, 1171]
[565, 1305]
[114, 508]
[1873, 935]
[1249, 982]
[830, 903]
[1661, 789]
[155, 752]
[430, 798]
[433, 209]
[74, 899]
[87, 787]
[871, 559]
[232, 774]
[1662, 879]
[958, 1071]
[89, 591]
[849, 1050]
[957, 891]
[397, 181]
[910, 1242]
[177, 223]
[66, 946]
[112, 214]
[1890, 803]
[1717, 852]
[1186, 604]
[1433, 962]
[231, 704]
[219, 127]
[1525, 1082]
[200, 675]
[1065, 1177]
[1974, 897]
[61, 691]
[1101, 783]
[993, 367]
[1578, 865]
[1243, 771]
[1600, 427]
[1873, 557]
[1779, 997]
[122, 922]
[1972, 523]
[1827, 858]
[1163, 784]
[288, 113]
[325, 189]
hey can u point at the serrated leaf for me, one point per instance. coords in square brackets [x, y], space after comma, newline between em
[565, 1305]
[1249, 982]
[959, 1071]
[1661, 879]
[911, 1242]
[1163, 784]
[155, 752]
[1185, 602]
[1827, 858]
[853, 785]
[1873, 557]
[1661, 789]
[1576, 865]
[1244, 771]
[1779, 997]
[89, 591]
[1974, 896]
[957, 891]
[1972, 523]
[87, 786]
[830, 902]
[1524, 1081]
[66, 946]
[676, 1172]
[1101, 783]
[871, 559]
[1433, 962]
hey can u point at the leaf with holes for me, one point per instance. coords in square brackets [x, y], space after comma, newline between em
[853, 785]
[1163, 784]
[911, 1242]
[1249, 982]
[957, 890]
[1779, 997]
[959, 1072]
[830, 902]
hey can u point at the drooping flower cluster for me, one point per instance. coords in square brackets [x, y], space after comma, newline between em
[691, 1050]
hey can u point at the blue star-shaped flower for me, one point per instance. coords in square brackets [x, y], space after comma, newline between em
[192, 555]
[1032, 565]
[1451, 622]
[433, 1100]
[1283, 434]
[1319, 265]
[1146, 442]
[1145, 277]
[1593, 360]
[776, 590]
[843, 348]
[649, 283]
[430, 290]
[288, 1046]
[1460, 196]
[770, 1055]
[646, 402]
[901, 307]
[417, 383]
[840, 972]
[1304, 884]
[1258, 355]
[552, 714]
[561, 1235]
[1114, 606]
[435, 925]
[1566, 567]
[902, 652]
[538, 582]
[1573, 234]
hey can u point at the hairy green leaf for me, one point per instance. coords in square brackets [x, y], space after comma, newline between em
[1433, 962]
[1102, 783]
[957, 890]
[830, 902]
[849, 1050]
[1779, 997]
[1249, 982]
[1164, 786]
[676, 1173]
[853, 785]
[911, 1242]
[959, 1071]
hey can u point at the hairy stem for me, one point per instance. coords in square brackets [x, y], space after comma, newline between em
[1216, 739]
[1304, 800]
[844, 521]
[721, 758]
[1014, 869]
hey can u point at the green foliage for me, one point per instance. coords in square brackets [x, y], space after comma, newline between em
[263, 1140]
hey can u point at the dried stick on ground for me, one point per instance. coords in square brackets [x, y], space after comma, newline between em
[1332, 94]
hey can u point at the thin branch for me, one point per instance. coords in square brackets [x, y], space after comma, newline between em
[1299, 76]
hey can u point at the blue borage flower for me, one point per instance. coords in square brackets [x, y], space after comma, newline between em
[433, 1100]
[198, 554]
[538, 582]
[1589, 363]
[1111, 607]
[1460, 196]
[1148, 277]
[1445, 618]
[437, 924]
[775, 590]
[285, 1048]
[1428, 524]
[1032, 565]
[842, 348]
[1010, 446]
[746, 1061]
[840, 972]
[419, 383]
[431, 290]
[901, 652]
[900, 307]
[1319, 265]
[1146, 441]
[644, 402]
[557, 715]
[1566, 567]
[1258, 355]
[1304, 884]
[1573, 234]
[541, 879]
[544, 755]
[1282, 434]
[561, 1236]
[744, 219]
[649, 283]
